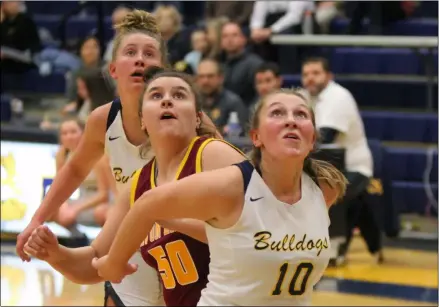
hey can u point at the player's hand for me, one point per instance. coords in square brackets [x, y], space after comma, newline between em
[111, 271]
[42, 244]
[23, 237]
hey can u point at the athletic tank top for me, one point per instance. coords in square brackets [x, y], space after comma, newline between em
[274, 254]
[183, 262]
[141, 288]
[124, 156]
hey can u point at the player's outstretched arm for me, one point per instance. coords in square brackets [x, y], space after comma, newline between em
[90, 149]
[203, 196]
[216, 155]
[75, 263]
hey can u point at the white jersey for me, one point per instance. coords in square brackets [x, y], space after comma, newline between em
[124, 157]
[276, 252]
[142, 288]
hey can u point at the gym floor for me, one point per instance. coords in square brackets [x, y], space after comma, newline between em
[408, 277]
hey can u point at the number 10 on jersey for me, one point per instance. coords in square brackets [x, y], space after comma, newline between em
[298, 281]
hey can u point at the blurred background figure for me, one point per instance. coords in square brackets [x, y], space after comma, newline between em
[200, 48]
[267, 79]
[235, 11]
[280, 17]
[214, 29]
[118, 15]
[219, 103]
[90, 54]
[19, 38]
[170, 23]
[239, 64]
[92, 203]
[339, 123]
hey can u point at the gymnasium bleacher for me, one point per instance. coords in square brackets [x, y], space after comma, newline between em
[388, 84]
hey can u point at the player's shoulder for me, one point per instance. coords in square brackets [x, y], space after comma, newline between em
[219, 153]
[97, 121]
[100, 114]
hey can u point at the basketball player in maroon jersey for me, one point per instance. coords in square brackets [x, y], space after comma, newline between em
[171, 117]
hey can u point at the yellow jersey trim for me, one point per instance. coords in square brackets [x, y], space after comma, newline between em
[180, 167]
[134, 186]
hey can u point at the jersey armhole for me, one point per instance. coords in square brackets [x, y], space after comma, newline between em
[115, 107]
[247, 170]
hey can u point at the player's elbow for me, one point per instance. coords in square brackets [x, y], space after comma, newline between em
[89, 279]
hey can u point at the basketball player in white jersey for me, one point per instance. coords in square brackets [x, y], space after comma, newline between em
[137, 45]
[266, 224]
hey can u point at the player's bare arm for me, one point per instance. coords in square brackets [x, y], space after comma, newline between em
[215, 155]
[209, 196]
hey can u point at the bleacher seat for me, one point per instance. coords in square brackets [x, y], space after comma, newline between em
[409, 27]
[77, 27]
[411, 197]
[395, 61]
[5, 108]
[381, 199]
[402, 127]
[382, 93]
[409, 164]
[33, 82]
[51, 7]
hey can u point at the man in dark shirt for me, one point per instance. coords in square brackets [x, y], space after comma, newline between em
[240, 66]
[19, 34]
[267, 79]
[218, 102]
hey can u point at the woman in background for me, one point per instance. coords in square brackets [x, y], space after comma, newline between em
[94, 192]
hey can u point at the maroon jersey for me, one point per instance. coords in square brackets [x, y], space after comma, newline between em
[182, 262]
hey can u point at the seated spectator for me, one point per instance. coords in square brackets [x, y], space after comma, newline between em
[94, 193]
[267, 79]
[19, 38]
[90, 60]
[339, 122]
[380, 14]
[214, 29]
[280, 17]
[240, 65]
[200, 49]
[118, 15]
[184, 67]
[170, 23]
[218, 102]
[235, 11]
[325, 13]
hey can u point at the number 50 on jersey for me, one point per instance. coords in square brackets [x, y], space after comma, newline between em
[175, 264]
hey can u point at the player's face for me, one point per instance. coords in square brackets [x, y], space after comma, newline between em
[70, 134]
[314, 78]
[285, 127]
[169, 108]
[136, 52]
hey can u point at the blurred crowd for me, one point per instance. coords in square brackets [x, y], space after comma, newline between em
[228, 51]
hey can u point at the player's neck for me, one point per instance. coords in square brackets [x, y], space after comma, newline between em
[131, 120]
[169, 157]
[283, 179]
